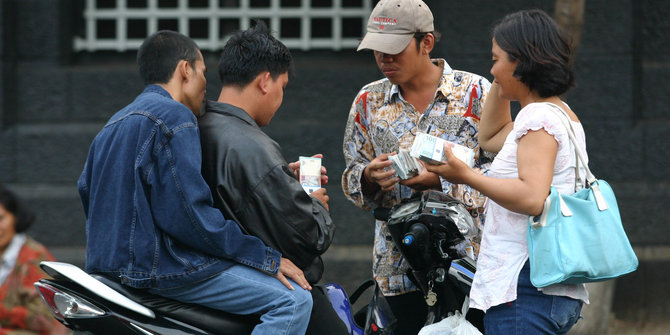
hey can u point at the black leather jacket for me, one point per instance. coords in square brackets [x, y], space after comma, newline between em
[252, 184]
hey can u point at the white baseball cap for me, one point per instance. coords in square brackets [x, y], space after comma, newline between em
[393, 23]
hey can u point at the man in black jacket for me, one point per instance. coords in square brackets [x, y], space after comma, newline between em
[250, 180]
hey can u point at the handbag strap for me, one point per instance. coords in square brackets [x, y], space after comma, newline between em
[361, 288]
[591, 181]
[578, 180]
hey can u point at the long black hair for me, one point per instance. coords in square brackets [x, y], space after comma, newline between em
[541, 48]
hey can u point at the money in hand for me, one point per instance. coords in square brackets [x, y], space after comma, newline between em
[405, 165]
[310, 173]
[430, 149]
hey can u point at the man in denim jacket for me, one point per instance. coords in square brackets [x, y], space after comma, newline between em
[149, 215]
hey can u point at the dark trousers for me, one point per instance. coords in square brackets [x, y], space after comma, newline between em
[324, 320]
[410, 310]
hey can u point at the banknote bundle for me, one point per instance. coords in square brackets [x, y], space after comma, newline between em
[405, 165]
[310, 173]
[430, 149]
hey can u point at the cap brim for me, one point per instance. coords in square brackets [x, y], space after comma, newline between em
[391, 44]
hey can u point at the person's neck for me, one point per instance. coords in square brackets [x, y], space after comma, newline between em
[533, 97]
[427, 79]
[173, 90]
[176, 93]
[239, 97]
[420, 90]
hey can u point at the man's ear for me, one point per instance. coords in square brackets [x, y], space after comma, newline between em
[184, 70]
[264, 79]
[428, 43]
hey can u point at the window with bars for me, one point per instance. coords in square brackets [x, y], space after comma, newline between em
[122, 25]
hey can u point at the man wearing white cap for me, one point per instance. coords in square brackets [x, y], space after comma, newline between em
[418, 94]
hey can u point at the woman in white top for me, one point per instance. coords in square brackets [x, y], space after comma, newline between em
[531, 64]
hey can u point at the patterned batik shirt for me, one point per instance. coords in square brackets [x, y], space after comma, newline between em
[381, 121]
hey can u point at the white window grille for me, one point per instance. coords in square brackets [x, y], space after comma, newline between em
[122, 25]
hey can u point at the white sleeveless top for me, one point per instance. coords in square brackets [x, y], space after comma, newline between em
[504, 248]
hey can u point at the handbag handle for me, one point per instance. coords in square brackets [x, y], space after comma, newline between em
[591, 181]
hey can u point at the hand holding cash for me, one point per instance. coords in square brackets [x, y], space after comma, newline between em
[453, 169]
[310, 173]
[379, 173]
[430, 149]
[405, 165]
[295, 167]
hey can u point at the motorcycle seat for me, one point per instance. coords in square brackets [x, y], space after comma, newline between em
[199, 316]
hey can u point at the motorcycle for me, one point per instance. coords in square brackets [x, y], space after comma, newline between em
[434, 233]
[100, 305]
[92, 303]
[431, 231]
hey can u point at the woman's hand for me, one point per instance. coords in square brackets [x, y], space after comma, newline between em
[453, 170]
[496, 121]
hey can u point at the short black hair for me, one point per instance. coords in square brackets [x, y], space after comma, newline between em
[418, 36]
[251, 52]
[160, 53]
[542, 49]
[11, 203]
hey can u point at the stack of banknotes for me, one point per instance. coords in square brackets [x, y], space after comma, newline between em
[310, 173]
[405, 165]
[430, 149]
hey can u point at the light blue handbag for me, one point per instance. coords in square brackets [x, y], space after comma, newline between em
[579, 238]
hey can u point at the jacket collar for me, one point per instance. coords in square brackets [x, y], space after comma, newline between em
[153, 88]
[228, 109]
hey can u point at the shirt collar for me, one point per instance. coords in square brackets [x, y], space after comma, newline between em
[444, 86]
[228, 109]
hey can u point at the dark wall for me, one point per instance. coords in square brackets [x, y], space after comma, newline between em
[53, 102]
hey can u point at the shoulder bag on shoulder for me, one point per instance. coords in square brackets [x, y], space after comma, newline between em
[579, 238]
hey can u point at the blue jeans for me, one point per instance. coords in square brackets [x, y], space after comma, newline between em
[243, 290]
[533, 312]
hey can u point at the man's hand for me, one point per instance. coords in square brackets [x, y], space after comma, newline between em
[321, 195]
[289, 270]
[423, 181]
[375, 173]
[295, 167]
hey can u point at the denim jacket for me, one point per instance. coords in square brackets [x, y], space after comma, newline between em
[150, 219]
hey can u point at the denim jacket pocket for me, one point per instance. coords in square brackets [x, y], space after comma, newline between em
[183, 254]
